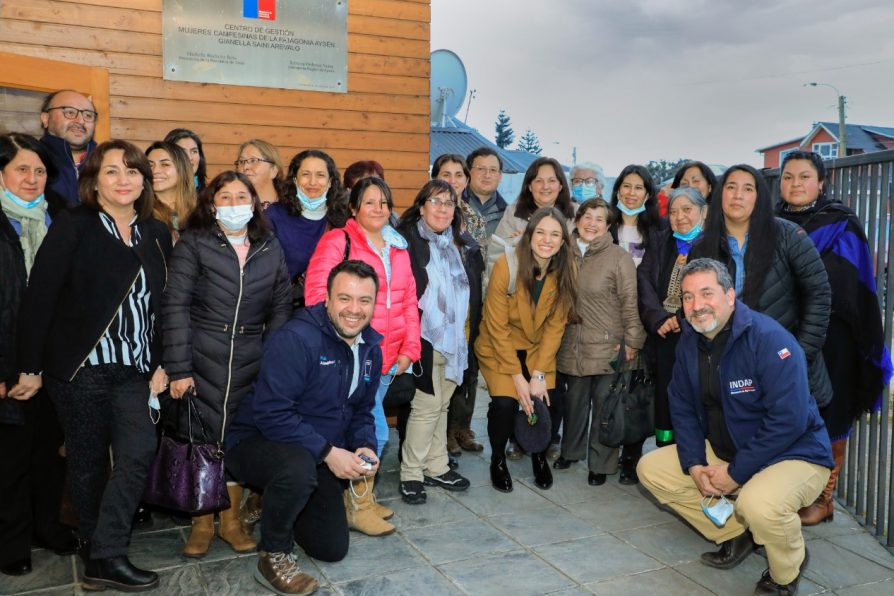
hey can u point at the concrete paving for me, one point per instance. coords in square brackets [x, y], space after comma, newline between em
[571, 539]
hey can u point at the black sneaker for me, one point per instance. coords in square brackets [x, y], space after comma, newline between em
[449, 480]
[412, 492]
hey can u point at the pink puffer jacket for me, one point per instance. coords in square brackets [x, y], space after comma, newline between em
[397, 313]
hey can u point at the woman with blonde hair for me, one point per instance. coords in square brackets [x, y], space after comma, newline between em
[259, 161]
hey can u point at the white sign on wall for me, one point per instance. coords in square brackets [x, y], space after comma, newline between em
[287, 44]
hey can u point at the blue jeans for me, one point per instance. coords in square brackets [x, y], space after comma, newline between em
[379, 415]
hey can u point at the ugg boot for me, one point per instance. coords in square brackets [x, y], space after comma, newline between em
[200, 536]
[381, 510]
[823, 509]
[231, 530]
[362, 516]
[250, 514]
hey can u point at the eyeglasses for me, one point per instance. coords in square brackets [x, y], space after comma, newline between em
[436, 202]
[71, 113]
[251, 161]
[485, 170]
[578, 181]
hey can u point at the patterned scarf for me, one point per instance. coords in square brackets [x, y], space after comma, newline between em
[34, 226]
[445, 302]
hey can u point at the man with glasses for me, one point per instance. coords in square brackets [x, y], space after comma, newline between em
[486, 170]
[69, 120]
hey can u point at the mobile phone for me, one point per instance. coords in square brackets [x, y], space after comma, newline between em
[368, 462]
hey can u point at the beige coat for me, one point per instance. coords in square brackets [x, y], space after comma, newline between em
[606, 304]
[512, 323]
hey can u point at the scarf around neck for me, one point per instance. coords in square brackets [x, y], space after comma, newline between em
[34, 226]
[445, 302]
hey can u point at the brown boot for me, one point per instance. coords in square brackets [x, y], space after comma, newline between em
[250, 514]
[823, 509]
[200, 536]
[453, 447]
[381, 510]
[359, 509]
[279, 573]
[231, 530]
[466, 439]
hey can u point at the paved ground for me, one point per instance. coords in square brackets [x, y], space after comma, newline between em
[571, 539]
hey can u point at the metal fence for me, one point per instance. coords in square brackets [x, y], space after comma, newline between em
[864, 183]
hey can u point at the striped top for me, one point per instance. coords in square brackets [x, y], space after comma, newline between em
[128, 338]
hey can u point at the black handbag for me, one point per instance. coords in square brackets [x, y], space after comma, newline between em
[187, 475]
[628, 412]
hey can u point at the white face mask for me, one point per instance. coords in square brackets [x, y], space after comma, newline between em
[234, 218]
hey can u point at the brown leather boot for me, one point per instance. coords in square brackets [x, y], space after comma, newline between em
[823, 509]
[200, 536]
[466, 439]
[279, 573]
[231, 530]
[359, 509]
[250, 514]
[453, 447]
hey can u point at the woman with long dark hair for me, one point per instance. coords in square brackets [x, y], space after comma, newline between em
[175, 193]
[775, 266]
[313, 203]
[857, 359]
[530, 298]
[192, 144]
[447, 266]
[93, 314]
[227, 288]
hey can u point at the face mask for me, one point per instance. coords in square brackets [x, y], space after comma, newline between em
[234, 218]
[690, 235]
[311, 204]
[719, 512]
[154, 408]
[631, 212]
[22, 203]
[582, 192]
[195, 181]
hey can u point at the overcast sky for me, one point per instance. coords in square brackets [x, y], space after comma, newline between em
[630, 81]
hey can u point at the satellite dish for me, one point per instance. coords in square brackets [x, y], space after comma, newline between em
[448, 86]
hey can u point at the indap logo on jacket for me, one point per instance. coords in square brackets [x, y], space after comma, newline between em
[259, 9]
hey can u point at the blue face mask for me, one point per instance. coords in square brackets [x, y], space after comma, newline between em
[719, 512]
[631, 212]
[23, 203]
[582, 192]
[311, 204]
[690, 235]
[234, 217]
[195, 181]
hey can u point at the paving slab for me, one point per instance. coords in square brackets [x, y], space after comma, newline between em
[49, 571]
[866, 546]
[877, 589]
[596, 558]
[835, 567]
[368, 557]
[543, 526]
[665, 582]
[510, 574]
[486, 501]
[439, 508]
[459, 540]
[739, 581]
[671, 543]
[409, 582]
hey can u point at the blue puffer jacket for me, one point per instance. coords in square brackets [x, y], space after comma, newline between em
[301, 395]
[769, 412]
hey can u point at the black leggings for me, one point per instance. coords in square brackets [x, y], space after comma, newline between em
[500, 423]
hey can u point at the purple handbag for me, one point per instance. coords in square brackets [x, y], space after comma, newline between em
[188, 476]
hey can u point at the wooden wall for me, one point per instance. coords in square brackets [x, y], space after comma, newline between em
[384, 116]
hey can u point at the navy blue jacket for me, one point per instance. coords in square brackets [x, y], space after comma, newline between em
[301, 394]
[66, 181]
[769, 411]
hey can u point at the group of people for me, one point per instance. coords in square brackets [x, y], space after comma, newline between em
[287, 307]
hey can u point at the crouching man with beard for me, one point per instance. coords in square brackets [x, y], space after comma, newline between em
[307, 428]
[747, 428]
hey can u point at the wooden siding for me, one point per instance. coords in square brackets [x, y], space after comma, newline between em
[384, 116]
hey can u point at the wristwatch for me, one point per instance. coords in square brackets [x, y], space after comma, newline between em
[539, 377]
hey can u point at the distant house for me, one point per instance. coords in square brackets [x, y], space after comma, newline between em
[823, 139]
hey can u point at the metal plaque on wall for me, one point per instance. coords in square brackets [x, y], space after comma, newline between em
[288, 44]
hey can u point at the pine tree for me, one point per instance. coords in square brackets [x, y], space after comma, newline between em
[530, 143]
[503, 128]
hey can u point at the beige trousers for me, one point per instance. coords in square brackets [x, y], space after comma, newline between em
[767, 504]
[425, 445]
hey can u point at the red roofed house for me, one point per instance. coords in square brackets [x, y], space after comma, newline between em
[823, 139]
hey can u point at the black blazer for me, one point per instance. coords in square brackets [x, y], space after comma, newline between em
[80, 277]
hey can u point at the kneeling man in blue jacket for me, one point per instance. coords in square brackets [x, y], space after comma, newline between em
[746, 427]
[307, 428]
